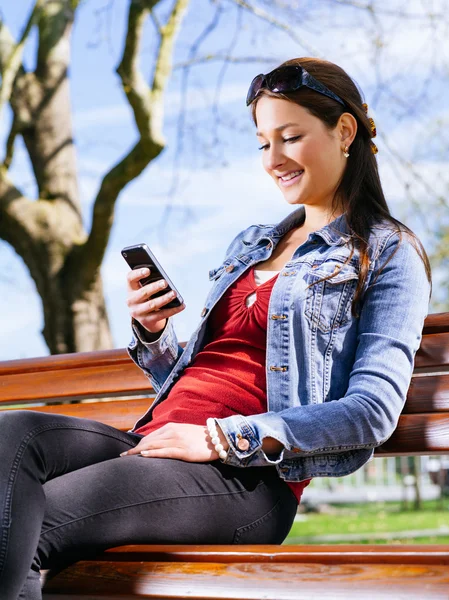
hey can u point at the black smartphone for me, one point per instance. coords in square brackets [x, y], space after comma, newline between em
[140, 256]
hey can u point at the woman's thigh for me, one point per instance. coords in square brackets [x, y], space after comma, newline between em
[149, 500]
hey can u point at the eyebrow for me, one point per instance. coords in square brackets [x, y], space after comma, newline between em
[280, 128]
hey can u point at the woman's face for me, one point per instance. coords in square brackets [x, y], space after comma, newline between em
[293, 141]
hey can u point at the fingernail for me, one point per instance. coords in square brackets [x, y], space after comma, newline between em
[144, 452]
[123, 453]
[144, 271]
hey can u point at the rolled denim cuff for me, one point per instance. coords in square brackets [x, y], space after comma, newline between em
[162, 341]
[156, 358]
[245, 448]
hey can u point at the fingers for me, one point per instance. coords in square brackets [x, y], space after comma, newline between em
[158, 447]
[143, 300]
[170, 452]
[176, 440]
[133, 277]
[139, 311]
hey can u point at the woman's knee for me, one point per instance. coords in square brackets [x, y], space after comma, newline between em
[18, 423]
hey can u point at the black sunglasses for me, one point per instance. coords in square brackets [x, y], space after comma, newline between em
[288, 79]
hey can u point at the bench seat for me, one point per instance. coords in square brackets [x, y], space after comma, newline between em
[108, 387]
[254, 572]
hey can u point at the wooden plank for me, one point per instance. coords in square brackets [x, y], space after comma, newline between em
[418, 434]
[100, 358]
[280, 581]
[428, 394]
[433, 352]
[121, 414]
[115, 378]
[112, 373]
[64, 362]
[436, 323]
[429, 554]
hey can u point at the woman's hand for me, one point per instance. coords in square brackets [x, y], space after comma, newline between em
[179, 440]
[145, 309]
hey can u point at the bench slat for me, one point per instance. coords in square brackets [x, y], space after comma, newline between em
[112, 373]
[435, 554]
[121, 414]
[436, 323]
[280, 581]
[426, 393]
[88, 382]
[433, 351]
[418, 434]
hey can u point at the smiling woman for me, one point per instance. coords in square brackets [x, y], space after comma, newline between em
[298, 368]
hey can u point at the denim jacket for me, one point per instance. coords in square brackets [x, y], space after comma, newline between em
[336, 383]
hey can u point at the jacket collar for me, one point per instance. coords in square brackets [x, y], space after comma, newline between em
[334, 233]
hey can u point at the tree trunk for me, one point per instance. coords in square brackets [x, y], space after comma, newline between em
[48, 232]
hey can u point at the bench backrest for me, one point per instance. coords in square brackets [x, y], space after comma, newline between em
[108, 387]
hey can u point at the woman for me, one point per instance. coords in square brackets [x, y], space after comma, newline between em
[298, 369]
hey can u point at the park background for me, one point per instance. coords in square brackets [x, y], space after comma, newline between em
[208, 183]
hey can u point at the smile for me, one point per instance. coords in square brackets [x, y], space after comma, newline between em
[292, 178]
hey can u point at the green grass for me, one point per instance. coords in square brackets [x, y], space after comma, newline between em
[373, 518]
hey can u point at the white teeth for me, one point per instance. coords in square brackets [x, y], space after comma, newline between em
[291, 175]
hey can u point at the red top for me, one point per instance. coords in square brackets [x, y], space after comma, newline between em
[228, 375]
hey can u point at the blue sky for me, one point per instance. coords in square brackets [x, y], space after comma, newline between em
[222, 186]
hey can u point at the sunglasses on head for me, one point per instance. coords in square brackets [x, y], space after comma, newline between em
[288, 79]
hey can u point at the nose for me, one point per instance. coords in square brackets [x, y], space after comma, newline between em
[274, 157]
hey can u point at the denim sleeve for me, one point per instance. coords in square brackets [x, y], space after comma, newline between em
[155, 354]
[389, 334]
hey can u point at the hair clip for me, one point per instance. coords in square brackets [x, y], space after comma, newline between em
[372, 127]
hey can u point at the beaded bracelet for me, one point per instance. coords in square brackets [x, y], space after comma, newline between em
[213, 433]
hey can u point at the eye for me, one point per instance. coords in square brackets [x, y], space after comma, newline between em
[292, 139]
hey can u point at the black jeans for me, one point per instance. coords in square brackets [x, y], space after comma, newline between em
[65, 494]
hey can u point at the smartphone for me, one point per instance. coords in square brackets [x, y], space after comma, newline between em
[140, 256]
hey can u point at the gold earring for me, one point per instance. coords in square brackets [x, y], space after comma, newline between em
[346, 153]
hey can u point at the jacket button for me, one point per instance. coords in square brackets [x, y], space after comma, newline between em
[204, 311]
[229, 268]
[243, 444]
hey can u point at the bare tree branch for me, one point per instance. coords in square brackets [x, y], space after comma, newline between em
[261, 14]
[175, 179]
[209, 58]
[10, 67]
[224, 68]
[10, 142]
[369, 6]
[147, 104]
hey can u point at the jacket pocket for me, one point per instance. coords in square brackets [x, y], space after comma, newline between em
[328, 303]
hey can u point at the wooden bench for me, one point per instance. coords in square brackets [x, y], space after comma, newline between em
[108, 387]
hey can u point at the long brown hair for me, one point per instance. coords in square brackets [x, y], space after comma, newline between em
[359, 192]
